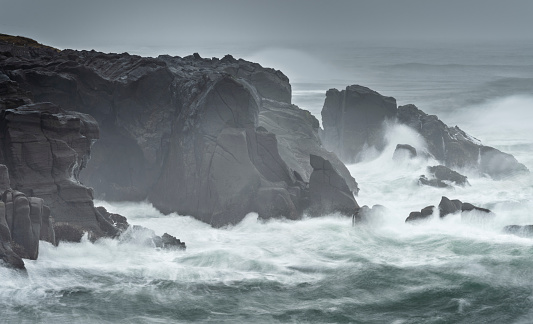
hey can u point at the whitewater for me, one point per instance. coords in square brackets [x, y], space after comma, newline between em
[324, 270]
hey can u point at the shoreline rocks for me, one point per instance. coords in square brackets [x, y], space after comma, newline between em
[442, 177]
[211, 138]
[449, 207]
[354, 120]
[23, 222]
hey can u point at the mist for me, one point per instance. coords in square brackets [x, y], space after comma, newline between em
[183, 25]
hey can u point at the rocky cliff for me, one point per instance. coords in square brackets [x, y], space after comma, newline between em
[354, 119]
[211, 138]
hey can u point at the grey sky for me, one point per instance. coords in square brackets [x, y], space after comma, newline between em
[100, 24]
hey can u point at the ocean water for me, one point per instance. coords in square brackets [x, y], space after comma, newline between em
[323, 270]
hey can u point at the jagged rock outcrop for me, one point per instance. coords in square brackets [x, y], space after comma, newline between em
[448, 207]
[353, 119]
[211, 138]
[297, 132]
[23, 222]
[403, 152]
[141, 235]
[454, 148]
[328, 192]
[442, 177]
[423, 214]
[45, 148]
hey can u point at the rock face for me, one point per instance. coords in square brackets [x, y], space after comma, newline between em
[442, 177]
[136, 102]
[215, 139]
[404, 151]
[23, 222]
[455, 148]
[45, 148]
[353, 119]
[328, 192]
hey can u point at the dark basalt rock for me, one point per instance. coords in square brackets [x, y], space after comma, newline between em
[328, 191]
[353, 119]
[441, 177]
[11, 95]
[7, 255]
[168, 241]
[448, 207]
[65, 232]
[215, 139]
[227, 166]
[297, 132]
[45, 148]
[455, 148]
[21, 224]
[136, 101]
[118, 221]
[147, 237]
[469, 207]
[425, 213]
[404, 151]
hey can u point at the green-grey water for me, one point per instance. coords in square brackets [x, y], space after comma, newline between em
[323, 270]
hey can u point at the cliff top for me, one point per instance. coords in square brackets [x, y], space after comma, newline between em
[24, 41]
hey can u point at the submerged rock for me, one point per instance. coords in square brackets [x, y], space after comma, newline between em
[144, 236]
[448, 207]
[423, 214]
[404, 151]
[442, 177]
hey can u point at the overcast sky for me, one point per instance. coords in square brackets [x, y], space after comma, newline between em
[102, 24]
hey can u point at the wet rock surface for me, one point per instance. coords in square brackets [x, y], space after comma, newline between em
[328, 192]
[456, 149]
[211, 138]
[449, 207]
[442, 177]
[23, 222]
[353, 120]
[404, 151]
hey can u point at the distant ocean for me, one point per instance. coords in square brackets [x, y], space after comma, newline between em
[323, 270]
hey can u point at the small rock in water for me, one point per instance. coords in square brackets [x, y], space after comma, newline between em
[404, 152]
[425, 213]
[441, 176]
